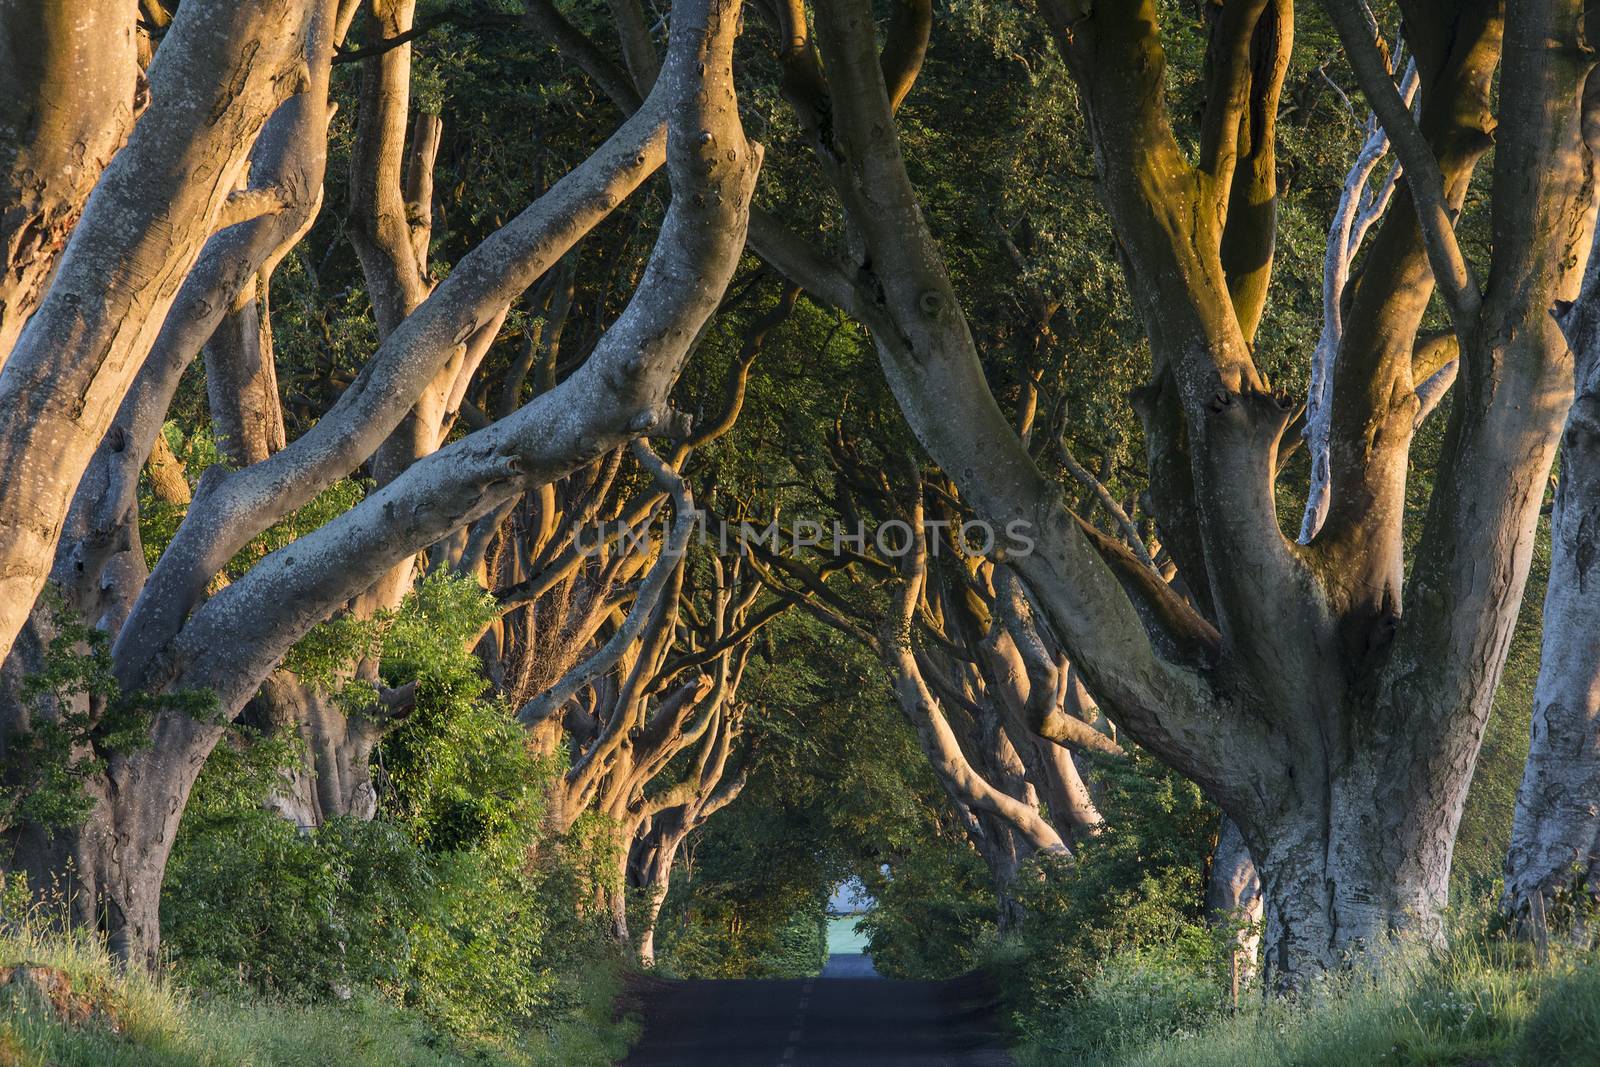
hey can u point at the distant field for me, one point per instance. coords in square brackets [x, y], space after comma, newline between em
[844, 938]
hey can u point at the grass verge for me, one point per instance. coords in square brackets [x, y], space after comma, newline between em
[64, 1003]
[1481, 1004]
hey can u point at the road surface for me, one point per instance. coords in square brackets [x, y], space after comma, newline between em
[818, 1022]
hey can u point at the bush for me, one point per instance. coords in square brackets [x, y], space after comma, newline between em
[933, 912]
[478, 940]
[1133, 894]
[132, 1020]
[328, 910]
[436, 904]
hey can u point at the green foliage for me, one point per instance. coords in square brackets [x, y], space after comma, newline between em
[159, 519]
[934, 913]
[476, 939]
[1135, 997]
[747, 904]
[78, 719]
[1137, 887]
[434, 904]
[717, 937]
[48, 761]
[455, 770]
[328, 910]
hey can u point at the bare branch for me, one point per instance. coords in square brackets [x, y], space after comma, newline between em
[1423, 176]
[644, 604]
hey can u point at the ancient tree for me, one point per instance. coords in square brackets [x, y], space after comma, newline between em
[229, 153]
[1553, 864]
[1328, 698]
[997, 709]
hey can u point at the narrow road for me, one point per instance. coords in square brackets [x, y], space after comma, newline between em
[819, 1022]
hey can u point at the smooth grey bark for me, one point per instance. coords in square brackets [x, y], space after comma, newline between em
[242, 379]
[68, 79]
[1233, 898]
[335, 777]
[98, 565]
[222, 69]
[1552, 869]
[1359, 207]
[103, 876]
[228, 647]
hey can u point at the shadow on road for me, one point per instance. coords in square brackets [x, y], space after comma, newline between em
[849, 1017]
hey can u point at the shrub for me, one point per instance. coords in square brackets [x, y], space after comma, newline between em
[132, 1020]
[436, 904]
[1134, 893]
[933, 912]
[327, 910]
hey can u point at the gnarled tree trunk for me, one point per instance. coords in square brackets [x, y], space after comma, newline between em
[1552, 871]
[1332, 707]
[227, 644]
[221, 70]
[69, 71]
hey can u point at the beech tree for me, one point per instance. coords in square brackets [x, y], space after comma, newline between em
[1552, 876]
[949, 627]
[1331, 702]
[189, 655]
[1323, 672]
[661, 681]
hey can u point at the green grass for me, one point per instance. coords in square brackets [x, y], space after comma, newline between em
[158, 1024]
[843, 936]
[1478, 1006]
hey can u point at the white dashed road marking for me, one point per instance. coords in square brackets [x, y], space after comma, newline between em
[799, 1021]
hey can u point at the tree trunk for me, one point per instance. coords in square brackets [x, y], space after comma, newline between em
[1553, 865]
[616, 892]
[334, 776]
[1356, 858]
[650, 875]
[221, 71]
[1233, 898]
[68, 75]
[242, 379]
[105, 873]
[1004, 851]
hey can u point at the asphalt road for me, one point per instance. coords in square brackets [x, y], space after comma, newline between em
[818, 1022]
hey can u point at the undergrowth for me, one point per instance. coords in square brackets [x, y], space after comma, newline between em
[136, 1020]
